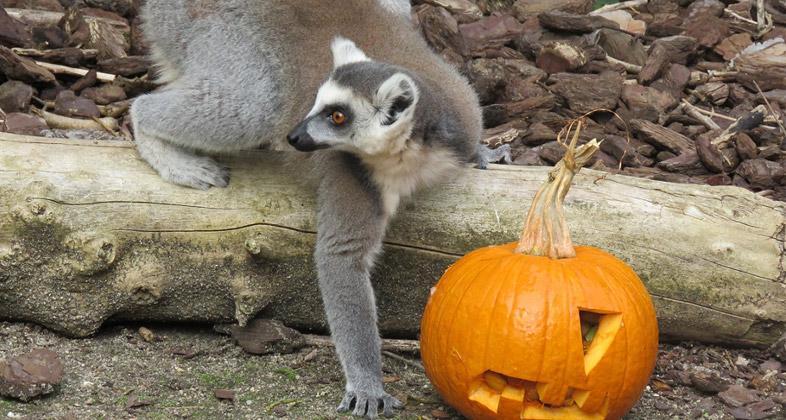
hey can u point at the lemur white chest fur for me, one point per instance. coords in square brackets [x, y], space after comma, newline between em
[383, 115]
[398, 175]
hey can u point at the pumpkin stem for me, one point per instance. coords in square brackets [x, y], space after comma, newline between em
[545, 230]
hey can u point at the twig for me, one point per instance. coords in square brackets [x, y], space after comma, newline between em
[713, 114]
[691, 110]
[764, 21]
[67, 123]
[399, 346]
[630, 4]
[731, 13]
[772, 111]
[750, 120]
[409, 362]
[72, 71]
[629, 67]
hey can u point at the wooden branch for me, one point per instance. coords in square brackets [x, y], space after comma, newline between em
[629, 67]
[67, 123]
[72, 71]
[694, 112]
[88, 231]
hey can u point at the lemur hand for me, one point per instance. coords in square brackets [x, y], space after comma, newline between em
[367, 401]
[486, 155]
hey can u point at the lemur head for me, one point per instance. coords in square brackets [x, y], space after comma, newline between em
[364, 107]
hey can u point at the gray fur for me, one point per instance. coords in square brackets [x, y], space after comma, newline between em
[240, 74]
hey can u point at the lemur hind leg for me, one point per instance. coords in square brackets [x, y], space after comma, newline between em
[173, 125]
[350, 228]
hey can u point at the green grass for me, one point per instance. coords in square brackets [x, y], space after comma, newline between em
[288, 372]
[7, 405]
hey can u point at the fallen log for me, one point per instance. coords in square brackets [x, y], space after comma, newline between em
[89, 234]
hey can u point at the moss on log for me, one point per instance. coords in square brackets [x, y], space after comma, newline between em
[88, 233]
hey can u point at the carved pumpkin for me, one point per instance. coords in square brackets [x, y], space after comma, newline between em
[538, 330]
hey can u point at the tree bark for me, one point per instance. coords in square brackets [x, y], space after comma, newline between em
[89, 234]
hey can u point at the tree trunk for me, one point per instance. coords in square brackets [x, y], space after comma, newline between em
[88, 233]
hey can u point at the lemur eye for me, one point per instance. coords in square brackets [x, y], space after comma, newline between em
[338, 118]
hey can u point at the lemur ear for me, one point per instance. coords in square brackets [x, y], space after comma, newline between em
[346, 52]
[396, 98]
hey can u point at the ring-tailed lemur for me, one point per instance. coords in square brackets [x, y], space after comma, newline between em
[237, 73]
[387, 131]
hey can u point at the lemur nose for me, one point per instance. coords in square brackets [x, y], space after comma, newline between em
[292, 138]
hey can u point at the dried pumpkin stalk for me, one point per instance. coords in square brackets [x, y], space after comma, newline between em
[545, 230]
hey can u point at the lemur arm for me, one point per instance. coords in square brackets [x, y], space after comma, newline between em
[351, 226]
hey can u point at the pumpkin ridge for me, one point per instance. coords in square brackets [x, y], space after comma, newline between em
[622, 276]
[458, 306]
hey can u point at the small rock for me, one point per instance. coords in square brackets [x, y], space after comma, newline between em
[25, 124]
[125, 66]
[528, 157]
[588, 92]
[738, 396]
[762, 172]
[646, 103]
[69, 105]
[186, 353]
[135, 402]
[22, 68]
[771, 365]
[224, 394]
[30, 375]
[88, 80]
[551, 152]
[746, 147]
[49, 5]
[105, 94]
[15, 96]
[767, 382]
[708, 383]
[756, 411]
[50, 36]
[265, 336]
[732, 45]
[121, 7]
[539, 133]
[490, 32]
[13, 32]
[440, 414]
[440, 29]
[147, 334]
[527, 8]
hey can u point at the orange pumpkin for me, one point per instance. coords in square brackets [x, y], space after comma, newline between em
[538, 329]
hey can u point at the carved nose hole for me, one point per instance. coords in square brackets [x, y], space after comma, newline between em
[597, 333]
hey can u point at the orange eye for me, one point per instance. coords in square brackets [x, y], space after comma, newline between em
[338, 117]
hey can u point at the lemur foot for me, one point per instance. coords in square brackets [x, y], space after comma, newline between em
[179, 165]
[366, 404]
[200, 172]
[488, 155]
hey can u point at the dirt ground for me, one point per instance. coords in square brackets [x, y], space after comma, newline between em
[118, 375]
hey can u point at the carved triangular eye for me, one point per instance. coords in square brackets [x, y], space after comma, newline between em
[597, 333]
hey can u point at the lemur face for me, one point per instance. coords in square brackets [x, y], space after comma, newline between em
[364, 107]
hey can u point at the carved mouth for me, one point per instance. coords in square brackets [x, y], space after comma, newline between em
[541, 400]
